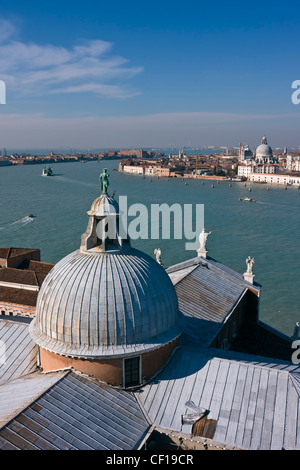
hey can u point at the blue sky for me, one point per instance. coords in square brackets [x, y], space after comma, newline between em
[134, 74]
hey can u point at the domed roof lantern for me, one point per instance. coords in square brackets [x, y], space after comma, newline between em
[103, 230]
[106, 299]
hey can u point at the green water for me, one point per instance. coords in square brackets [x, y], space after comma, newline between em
[267, 230]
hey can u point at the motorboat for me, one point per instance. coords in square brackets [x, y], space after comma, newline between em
[247, 199]
[47, 171]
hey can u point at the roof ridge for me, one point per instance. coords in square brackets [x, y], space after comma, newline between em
[209, 262]
[36, 397]
[35, 276]
[245, 358]
[295, 380]
[183, 265]
[175, 283]
[265, 362]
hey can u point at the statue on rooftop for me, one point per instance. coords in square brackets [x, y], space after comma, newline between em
[103, 178]
[157, 253]
[249, 262]
[203, 239]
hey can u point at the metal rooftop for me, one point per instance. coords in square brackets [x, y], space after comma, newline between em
[20, 351]
[254, 401]
[255, 404]
[207, 292]
[77, 413]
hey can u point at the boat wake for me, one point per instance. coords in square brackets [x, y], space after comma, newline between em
[63, 179]
[16, 225]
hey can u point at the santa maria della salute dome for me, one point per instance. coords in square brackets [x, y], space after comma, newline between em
[105, 303]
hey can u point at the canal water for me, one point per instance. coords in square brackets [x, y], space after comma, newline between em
[267, 230]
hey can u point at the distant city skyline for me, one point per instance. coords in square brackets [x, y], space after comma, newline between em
[119, 75]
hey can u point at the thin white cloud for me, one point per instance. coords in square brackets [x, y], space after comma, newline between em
[7, 29]
[110, 91]
[34, 69]
[153, 130]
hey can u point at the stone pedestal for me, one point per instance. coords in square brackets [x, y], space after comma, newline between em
[249, 277]
[202, 252]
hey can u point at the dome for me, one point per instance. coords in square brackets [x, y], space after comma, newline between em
[106, 298]
[264, 150]
[103, 206]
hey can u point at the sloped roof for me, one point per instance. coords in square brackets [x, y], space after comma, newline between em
[255, 404]
[19, 354]
[18, 276]
[207, 292]
[60, 410]
[184, 268]
[77, 413]
[39, 268]
[17, 394]
[11, 252]
[29, 273]
[18, 296]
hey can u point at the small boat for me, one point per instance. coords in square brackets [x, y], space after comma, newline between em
[247, 199]
[30, 216]
[47, 171]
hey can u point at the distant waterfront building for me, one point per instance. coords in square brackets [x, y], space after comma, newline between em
[245, 153]
[264, 153]
[245, 169]
[297, 165]
[289, 162]
[280, 178]
[293, 162]
[266, 168]
[161, 171]
[262, 162]
[138, 153]
[134, 169]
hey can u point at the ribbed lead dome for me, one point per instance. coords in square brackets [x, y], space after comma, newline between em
[264, 150]
[105, 300]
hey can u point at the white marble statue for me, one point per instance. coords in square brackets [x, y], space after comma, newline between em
[249, 261]
[203, 239]
[157, 253]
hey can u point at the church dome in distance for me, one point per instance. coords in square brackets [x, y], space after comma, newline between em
[105, 299]
[264, 150]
